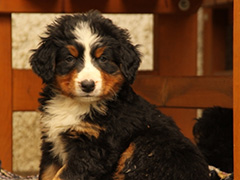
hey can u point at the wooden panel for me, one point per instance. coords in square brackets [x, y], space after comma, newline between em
[113, 6]
[216, 2]
[191, 92]
[126, 6]
[31, 6]
[217, 41]
[195, 92]
[236, 89]
[6, 92]
[177, 45]
[26, 88]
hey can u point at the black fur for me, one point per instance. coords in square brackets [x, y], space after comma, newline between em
[44, 59]
[213, 134]
[160, 150]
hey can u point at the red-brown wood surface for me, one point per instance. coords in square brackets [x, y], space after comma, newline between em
[26, 88]
[188, 92]
[211, 3]
[112, 6]
[5, 92]
[216, 37]
[126, 6]
[236, 89]
[177, 45]
[31, 6]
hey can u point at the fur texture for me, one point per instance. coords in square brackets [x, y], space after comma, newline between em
[93, 124]
[213, 134]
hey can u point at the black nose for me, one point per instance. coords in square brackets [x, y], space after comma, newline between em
[87, 85]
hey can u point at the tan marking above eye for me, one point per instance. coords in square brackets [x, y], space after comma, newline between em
[72, 49]
[99, 52]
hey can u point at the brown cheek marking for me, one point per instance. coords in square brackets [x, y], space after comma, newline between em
[127, 154]
[86, 128]
[111, 83]
[50, 172]
[99, 52]
[73, 50]
[66, 83]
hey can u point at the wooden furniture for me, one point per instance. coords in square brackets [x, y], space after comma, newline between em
[236, 89]
[172, 85]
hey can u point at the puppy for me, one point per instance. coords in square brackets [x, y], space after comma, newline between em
[93, 124]
[213, 133]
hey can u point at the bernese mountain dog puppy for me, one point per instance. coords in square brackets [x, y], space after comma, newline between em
[93, 124]
[213, 134]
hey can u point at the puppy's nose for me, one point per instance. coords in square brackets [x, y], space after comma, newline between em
[87, 86]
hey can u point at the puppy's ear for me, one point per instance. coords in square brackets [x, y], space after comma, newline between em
[130, 61]
[43, 60]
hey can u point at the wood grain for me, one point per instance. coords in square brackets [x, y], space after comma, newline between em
[109, 6]
[211, 3]
[5, 92]
[31, 6]
[236, 89]
[188, 92]
[177, 45]
[26, 88]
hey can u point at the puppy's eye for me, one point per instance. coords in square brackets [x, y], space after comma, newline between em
[69, 59]
[103, 59]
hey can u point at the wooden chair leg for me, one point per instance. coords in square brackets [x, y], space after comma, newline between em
[6, 92]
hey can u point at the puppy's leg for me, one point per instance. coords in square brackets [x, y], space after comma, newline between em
[49, 165]
[153, 157]
[125, 157]
[56, 177]
[50, 172]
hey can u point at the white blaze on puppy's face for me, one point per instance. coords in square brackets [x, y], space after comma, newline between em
[93, 75]
[89, 73]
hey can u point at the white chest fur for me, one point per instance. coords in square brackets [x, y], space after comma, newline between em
[61, 114]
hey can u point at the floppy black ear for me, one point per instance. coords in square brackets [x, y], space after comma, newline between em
[130, 61]
[43, 60]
